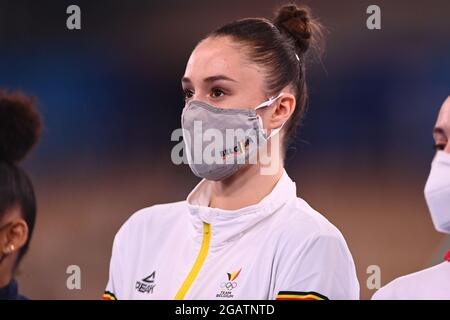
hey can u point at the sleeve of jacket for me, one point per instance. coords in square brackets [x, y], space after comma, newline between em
[113, 288]
[319, 269]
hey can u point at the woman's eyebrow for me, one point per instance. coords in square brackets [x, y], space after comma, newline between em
[438, 130]
[439, 133]
[185, 80]
[210, 79]
[218, 77]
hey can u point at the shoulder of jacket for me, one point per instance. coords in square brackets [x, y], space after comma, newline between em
[157, 211]
[301, 220]
[413, 283]
[387, 292]
[155, 214]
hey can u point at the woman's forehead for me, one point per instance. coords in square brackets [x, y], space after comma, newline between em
[219, 55]
[444, 115]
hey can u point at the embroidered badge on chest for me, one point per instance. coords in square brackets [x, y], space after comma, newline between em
[227, 287]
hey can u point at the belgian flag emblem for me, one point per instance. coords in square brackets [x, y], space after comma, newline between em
[109, 296]
[233, 275]
[296, 295]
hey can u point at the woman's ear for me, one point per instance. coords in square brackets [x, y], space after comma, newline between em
[16, 235]
[284, 109]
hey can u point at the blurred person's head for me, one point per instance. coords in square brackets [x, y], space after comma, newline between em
[249, 61]
[441, 131]
[20, 127]
[437, 189]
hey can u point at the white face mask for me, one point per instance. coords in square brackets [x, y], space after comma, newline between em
[437, 192]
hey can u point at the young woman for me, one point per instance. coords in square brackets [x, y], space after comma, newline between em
[20, 127]
[242, 233]
[432, 283]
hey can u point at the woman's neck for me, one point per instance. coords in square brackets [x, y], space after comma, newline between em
[6, 274]
[245, 188]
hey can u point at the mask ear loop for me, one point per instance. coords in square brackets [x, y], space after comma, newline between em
[266, 104]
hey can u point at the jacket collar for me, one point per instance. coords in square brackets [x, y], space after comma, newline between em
[229, 225]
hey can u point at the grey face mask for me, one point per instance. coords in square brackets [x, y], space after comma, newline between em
[218, 142]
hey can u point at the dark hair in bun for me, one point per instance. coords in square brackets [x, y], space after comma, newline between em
[20, 128]
[301, 26]
[280, 46]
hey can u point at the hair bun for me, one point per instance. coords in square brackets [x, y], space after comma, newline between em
[20, 126]
[297, 22]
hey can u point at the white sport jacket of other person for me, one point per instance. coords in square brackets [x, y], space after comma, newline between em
[429, 284]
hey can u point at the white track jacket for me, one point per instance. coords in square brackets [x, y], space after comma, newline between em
[279, 248]
[432, 283]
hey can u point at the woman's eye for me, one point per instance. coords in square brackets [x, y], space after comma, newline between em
[187, 94]
[439, 147]
[217, 93]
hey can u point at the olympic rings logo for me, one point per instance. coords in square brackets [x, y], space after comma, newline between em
[229, 285]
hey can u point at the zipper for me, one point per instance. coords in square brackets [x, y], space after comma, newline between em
[198, 263]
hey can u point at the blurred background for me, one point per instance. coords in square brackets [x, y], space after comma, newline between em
[110, 95]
